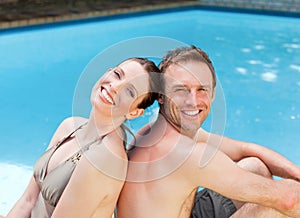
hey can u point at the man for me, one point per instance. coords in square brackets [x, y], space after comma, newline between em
[167, 166]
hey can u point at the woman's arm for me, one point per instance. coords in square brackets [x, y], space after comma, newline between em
[97, 180]
[23, 207]
[237, 150]
[89, 193]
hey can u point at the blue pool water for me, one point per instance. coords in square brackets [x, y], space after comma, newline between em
[256, 59]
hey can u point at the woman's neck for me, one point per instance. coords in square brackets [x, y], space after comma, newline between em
[98, 127]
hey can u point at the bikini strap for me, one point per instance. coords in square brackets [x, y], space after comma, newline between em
[76, 157]
[60, 142]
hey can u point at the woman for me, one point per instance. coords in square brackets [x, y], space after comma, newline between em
[83, 170]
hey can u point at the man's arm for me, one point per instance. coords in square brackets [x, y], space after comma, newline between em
[257, 211]
[237, 150]
[222, 175]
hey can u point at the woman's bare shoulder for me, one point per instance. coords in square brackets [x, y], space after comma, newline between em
[67, 126]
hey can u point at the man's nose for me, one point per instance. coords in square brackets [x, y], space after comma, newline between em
[192, 97]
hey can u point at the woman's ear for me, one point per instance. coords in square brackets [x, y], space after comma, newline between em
[135, 113]
[160, 98]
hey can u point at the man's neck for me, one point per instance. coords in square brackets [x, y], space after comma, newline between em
[175, 127]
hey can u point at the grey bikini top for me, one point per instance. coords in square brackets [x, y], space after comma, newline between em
[53, 183]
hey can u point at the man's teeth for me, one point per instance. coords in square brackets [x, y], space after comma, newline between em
[106, 96]
[191, 113]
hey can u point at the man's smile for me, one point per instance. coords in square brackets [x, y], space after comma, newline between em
[191, 113]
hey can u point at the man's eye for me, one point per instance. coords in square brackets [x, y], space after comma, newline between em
[180, 90]
[203, 89]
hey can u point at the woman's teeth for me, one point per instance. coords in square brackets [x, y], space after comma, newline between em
[106, 96]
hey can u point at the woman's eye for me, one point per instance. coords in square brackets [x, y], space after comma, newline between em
[117, 74]
[131, 92]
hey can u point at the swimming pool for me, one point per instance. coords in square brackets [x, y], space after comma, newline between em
[256, 59]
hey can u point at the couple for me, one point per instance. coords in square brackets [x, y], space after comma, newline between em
[166, 166]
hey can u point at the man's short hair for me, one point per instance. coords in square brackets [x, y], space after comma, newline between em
[185, 54]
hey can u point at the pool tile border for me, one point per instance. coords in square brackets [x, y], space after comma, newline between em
[233, 6]
[90, 14]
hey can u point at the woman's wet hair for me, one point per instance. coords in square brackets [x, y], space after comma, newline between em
[152, 95]
[154, 81]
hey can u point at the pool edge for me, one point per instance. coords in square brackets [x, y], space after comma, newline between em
[118, 13]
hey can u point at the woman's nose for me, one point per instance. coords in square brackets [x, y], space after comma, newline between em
[116, 85]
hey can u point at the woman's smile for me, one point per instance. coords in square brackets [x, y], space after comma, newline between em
[105, 96]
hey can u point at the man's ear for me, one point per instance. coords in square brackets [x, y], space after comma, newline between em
[213, 95]
[135, 113]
